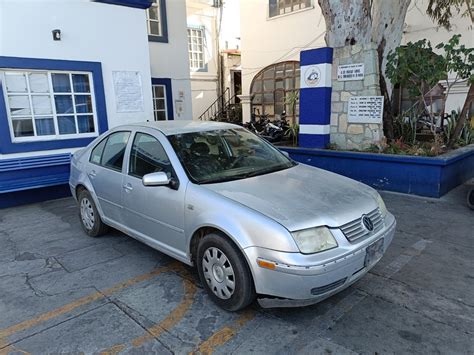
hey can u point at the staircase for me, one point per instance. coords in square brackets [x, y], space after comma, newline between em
[226, 108]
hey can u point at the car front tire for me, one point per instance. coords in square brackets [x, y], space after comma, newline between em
[470, 198]
[89, 216]
[224, 273]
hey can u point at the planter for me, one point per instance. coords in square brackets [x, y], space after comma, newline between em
[423, 176]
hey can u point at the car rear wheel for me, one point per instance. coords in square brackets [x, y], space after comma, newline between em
[224, 272]
[89, 216]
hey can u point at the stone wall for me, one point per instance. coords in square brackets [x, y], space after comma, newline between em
[354, 135]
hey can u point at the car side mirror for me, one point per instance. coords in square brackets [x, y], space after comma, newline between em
[285, 153]
[156, 179]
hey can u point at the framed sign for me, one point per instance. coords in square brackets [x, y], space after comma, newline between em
[365, 109]
[128, 91]
[350, 72]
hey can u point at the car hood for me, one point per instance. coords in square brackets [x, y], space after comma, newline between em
[301, 197]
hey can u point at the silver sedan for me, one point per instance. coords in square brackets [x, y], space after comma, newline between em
[255, 223]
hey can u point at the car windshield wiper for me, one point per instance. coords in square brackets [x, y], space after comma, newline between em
[244, 175]
[266, 171]
[219, 179]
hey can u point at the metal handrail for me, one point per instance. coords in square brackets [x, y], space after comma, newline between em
[218, 106]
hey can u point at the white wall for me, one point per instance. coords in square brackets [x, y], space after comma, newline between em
[419, 26]
[114, 35]
[170, 60]
[230, 25]
[265, 40]
[222, 25]
[204, 83]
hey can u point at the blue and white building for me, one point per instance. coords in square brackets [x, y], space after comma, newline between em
[69, 70]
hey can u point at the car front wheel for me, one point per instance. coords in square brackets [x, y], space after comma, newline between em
[470, 198]
[89, 216]
[224, 272]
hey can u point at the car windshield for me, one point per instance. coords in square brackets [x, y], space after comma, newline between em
[226, 154]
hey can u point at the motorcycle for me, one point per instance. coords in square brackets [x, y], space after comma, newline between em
[275, 131]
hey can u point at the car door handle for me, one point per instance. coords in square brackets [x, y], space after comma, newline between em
[128, 187]
[92, 174]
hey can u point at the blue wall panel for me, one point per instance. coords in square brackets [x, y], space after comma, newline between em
[313, 140]
[12, 199]
[138, 4]
[424, 176]
[169, 94]
[315, 106]
[33, 179]
[6, 145]
[315, 97]
[316, 56]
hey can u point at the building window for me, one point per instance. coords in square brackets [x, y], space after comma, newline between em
[196, 48]
[47, 105]
[271, 87]
[281, 7]
[160, 109]
[156, 21]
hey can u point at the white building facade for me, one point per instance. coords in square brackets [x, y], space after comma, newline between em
[213, 47]
[273, 33]
[70, 70]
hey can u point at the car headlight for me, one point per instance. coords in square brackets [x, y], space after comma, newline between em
[314, 240]
[382, 207]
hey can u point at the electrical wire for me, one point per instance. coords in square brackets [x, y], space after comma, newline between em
[279, 59]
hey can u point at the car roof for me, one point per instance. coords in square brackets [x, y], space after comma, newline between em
[170, 128]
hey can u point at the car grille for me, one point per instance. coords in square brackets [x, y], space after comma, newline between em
[326, 288]
[354, 230]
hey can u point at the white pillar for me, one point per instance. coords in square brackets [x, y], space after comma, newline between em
[245, 101]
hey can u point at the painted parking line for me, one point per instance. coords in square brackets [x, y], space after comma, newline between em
[208, 346]
[29, 323]
[114, 350]
[12, 349]
[173, 318]
[224, 334]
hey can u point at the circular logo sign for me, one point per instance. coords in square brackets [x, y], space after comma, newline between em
[368, 224]
[312, 76]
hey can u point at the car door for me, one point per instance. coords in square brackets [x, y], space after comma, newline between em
[155, 212]
[105, 173]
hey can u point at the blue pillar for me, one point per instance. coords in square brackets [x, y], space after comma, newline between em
[315, 97]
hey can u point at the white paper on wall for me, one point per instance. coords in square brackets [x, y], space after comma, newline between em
[128, 91]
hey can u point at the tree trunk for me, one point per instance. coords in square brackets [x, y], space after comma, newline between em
[381, 22]
[347, 21]
[462, 117]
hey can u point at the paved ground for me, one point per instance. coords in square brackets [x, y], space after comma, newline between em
[61, 291]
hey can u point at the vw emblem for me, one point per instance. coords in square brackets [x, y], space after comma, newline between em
[368, 224]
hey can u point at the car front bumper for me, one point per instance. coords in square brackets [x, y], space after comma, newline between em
[300, 279]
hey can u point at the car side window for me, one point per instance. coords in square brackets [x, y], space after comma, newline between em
[110, 152]
[96, 154]
[148, 156]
